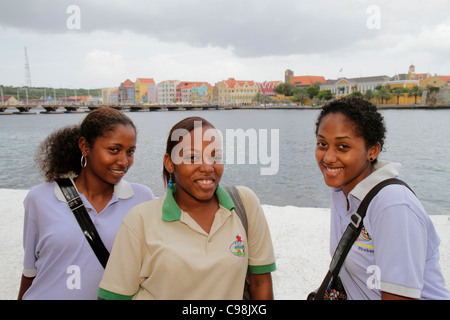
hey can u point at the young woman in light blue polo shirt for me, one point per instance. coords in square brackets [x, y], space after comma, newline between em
[396, 255]
[58, 261]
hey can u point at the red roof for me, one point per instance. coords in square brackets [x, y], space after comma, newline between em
[307, 80]
[128, 83]
[146, 81]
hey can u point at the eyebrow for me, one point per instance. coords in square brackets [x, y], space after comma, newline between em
[340, 138]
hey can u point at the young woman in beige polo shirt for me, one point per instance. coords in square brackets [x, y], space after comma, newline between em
[190, 243]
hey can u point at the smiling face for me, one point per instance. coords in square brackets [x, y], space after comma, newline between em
[111, 155]
[341, 154]
[196, 165]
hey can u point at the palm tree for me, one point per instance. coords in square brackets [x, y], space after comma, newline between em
[399, 91]
[414, 92]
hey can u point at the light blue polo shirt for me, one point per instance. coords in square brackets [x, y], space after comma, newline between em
[397, 250]
[56, 251]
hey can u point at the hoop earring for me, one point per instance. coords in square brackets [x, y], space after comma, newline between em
[83, 162]
[170, 183]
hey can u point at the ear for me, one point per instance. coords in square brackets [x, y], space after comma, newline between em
[374, 152]
[84, 146]
[168, 164]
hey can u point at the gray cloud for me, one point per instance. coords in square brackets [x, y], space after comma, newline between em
[251, 28]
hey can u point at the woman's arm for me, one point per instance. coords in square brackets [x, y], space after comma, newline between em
[391, 296]
[25, 283]
[261, 286]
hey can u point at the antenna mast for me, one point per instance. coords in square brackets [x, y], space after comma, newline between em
[27, 70]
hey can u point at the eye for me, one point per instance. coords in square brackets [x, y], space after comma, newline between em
[321, 144]
[343, 147]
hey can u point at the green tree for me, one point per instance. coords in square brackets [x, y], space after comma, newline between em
[356, 94]
[414, 92]
[369, 94]
[312, 91]
[399, 91]
[284, 88]
[325, 95]
[300, 96]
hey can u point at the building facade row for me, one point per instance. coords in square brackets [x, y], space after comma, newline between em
[226, 92]
[243, 92]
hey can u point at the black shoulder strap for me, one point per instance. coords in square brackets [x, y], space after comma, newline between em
[238, 205]
[240, 211]
[77, 207]
[351, 234]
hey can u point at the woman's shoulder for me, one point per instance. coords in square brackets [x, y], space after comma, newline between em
[142, 189]
[40, 190]
[145, 210]
[247, 193]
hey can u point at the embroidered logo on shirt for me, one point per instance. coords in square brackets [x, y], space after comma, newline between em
[363, 241]
[238, 247]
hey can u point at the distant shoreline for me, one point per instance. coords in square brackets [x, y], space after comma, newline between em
[83, 109]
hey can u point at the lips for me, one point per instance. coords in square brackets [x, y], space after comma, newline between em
[206, 183]
[118, 172]
[333, 171]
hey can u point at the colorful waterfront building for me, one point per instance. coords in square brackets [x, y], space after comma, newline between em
[435, 81]
[266, 88]
[192, 92]
[234, 92]
[302, 81]
[166, 91]
[113, 97]
[152, 93]
[200, 92]
[126, 92]
[140, 89]
[345, 86]
[106, 95]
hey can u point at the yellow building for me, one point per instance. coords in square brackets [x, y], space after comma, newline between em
[435, 81]
[106, 92]
[234, 92]
[140, 89]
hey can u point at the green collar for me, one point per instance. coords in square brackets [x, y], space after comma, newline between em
[172, 212]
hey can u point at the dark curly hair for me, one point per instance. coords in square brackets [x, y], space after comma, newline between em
[59, 153]
[368, 121]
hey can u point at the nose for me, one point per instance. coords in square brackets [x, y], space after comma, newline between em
[206, 165]
[123, 159]
[329, 156]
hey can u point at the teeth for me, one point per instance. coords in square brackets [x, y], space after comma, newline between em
[118, 172]
[334, 170]
[205, 181]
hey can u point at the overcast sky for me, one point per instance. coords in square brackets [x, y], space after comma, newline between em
[92, 44]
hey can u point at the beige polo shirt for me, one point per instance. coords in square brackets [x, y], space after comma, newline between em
[160, 252]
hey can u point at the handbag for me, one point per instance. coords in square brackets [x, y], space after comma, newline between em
[87, 226]
[331, 287]
[240, 211]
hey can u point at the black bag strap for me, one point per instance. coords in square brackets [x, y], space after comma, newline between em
[238, 205]
[77, 207]
[351, 234]
[240, 211]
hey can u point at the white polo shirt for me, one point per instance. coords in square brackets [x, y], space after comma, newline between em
[397, 250]
[161, 253]
[56, 251]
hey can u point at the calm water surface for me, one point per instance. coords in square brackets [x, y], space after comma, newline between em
[419, 139]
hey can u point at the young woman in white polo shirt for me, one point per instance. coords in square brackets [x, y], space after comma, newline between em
[396, 255]
[58, 260]
[190, 243]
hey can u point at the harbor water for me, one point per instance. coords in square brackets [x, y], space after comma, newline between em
[282, 172]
